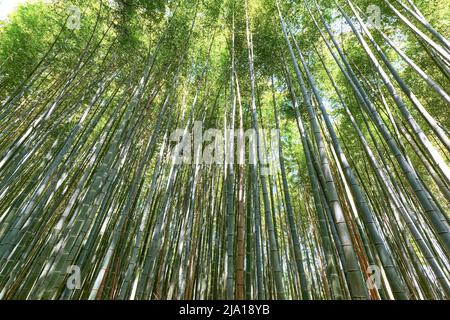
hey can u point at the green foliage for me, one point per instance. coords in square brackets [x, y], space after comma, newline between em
[85, 153]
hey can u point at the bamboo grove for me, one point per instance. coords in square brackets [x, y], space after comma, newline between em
[359, 92]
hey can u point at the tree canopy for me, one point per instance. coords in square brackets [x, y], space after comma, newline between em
[327, 123]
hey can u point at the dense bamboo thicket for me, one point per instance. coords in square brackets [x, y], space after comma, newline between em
[109, 111]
